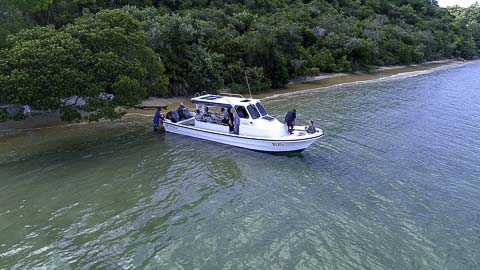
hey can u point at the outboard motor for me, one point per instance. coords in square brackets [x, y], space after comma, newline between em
[174, 117]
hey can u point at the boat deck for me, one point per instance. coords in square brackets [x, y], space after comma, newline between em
[189, 122]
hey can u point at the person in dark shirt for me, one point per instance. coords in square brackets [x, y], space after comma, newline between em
[156, 119]
[225, 116]
[206, 113]
[290, 120]
[198, 116]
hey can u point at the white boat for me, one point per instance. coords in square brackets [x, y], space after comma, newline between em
[257, 130]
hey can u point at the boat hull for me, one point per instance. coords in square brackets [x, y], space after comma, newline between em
[276, 145]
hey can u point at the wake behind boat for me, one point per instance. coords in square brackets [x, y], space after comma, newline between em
[250, 127]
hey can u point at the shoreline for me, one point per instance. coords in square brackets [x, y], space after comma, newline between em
[296, 86]
[338, 79]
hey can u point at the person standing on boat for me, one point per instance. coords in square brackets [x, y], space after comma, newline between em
[236, 123]
[230, 118]
[156, 119]
[290, 120]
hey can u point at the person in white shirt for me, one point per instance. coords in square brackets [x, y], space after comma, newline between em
[27, 111]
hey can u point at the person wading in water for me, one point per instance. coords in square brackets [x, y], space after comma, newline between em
[157, 118]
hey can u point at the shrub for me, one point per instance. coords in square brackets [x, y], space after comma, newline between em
[127, 91]
[70, 114]
[19, 115]
[3, 115]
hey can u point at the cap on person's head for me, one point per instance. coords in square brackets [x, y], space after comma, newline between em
[159, 108]
[181, 103]
[311, 121]
[294, 110]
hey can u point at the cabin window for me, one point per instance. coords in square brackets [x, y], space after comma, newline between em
[253, 111]
[261, 109]
[241, 111]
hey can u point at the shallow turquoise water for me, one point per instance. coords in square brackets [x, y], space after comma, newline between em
[394, 184]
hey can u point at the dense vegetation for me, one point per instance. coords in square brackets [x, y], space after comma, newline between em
[469, 18]
[54, 49]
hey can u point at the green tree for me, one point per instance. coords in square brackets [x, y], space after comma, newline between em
[326, 62]
[127, 91]
[117, 43]
[43, 66]
[27, 6]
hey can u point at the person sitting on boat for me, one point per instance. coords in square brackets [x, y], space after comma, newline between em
[198, 115]
[157, 118]
[208, 116]
[311, 128]
[226, 116]
[290, 120]
[206, 113]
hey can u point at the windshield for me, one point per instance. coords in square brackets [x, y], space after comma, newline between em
[262, 110]
[253, 111]
[242, 113]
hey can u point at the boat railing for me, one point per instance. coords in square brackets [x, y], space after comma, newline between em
[203, 93]
[231, 95]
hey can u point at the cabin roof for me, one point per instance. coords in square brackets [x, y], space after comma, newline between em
[223, 100]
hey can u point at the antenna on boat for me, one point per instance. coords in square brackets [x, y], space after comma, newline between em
[248, 85]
